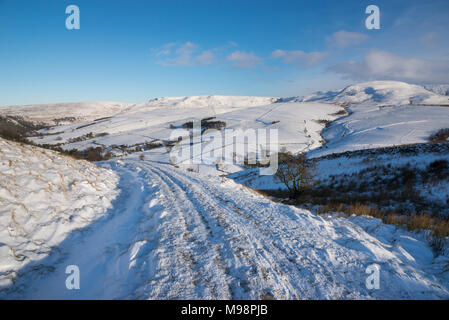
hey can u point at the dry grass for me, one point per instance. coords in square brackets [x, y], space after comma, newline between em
[395, 219]
[420, 222]
[331, 207]
[441, 135]
[438, 226]
[364, 210]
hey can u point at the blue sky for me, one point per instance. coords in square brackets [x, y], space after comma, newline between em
[134, 50]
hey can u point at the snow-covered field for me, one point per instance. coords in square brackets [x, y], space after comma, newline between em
[171, 233]
[297, 123]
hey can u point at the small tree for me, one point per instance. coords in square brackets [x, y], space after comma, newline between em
[295, 172]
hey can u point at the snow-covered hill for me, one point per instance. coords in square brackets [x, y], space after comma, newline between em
[380, 93]
[299, 124]
[60, 113]
[43, 198]
[213, 101]
[384, 113]
[388, 93]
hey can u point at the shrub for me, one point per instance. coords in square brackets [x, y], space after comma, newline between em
[95, 154]
[441, 135]
[141, 157]
[295, 172]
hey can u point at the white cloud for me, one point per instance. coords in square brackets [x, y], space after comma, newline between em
[431, 39]
[299, 57]
[387, 66]
[206, 57]
[343, 39]
[166, 49]
[244, 60]
[185, 54]
[339, 40]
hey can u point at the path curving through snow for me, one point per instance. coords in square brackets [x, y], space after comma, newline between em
[179, 235]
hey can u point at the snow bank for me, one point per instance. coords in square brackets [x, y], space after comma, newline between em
[43, 197]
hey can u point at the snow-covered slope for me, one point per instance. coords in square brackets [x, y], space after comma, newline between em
[374, 127]
[380, 93]
[384, 113]
[441, 89]
[56, 113]
[298, 124]
[65, 113]
[179, 235]
[43, 197]
[388, 93]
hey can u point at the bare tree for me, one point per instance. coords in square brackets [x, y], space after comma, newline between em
[295, 172]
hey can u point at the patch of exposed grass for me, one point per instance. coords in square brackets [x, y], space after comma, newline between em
[438, 226]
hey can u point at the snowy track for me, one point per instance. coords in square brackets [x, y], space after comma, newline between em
[173, 234]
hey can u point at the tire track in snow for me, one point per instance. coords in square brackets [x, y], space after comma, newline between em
[289, 278]
[176, 235]
[193, 246]
[234, 246]
[246, 252]
[308, 256]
